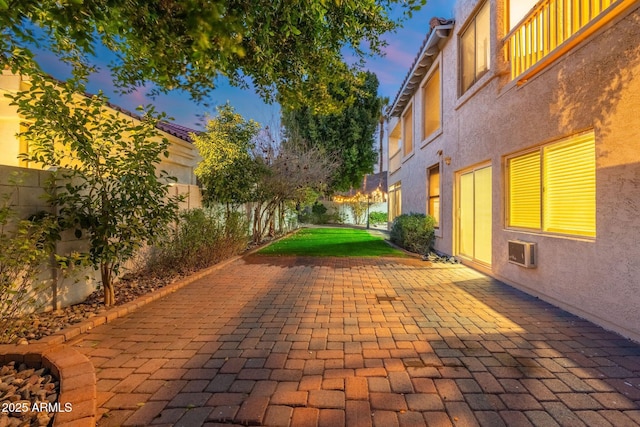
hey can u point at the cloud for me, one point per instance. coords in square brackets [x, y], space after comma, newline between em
[397, 56]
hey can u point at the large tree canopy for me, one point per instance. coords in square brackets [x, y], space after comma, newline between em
[227, 170]
[285, 49]
[348, 134]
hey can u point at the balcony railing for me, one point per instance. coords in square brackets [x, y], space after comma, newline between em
[395, 161]
[548, 26]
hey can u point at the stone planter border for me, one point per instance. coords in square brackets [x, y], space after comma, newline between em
[76, 375]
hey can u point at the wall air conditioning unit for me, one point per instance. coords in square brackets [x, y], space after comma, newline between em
[522, 253]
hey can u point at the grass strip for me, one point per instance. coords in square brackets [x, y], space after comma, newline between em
[338, 242]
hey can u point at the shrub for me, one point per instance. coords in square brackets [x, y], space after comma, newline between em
[414, 232]
[24, 252]
[318, 209]
[201, 238]
[319, 215]
[358, 211]
[378, 217]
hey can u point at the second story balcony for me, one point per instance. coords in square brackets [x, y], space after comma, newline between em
[553, 27]
[395, 161]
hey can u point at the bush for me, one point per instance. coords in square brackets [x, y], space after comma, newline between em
[201, 238]
[378, 217]
[414, 232]
[318, 209]
[24, 252]
[358, 211]
[319, 215]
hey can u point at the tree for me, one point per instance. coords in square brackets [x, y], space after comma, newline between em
[106, 182]
[348, 135]
[242, 163]
[227, 170]
[358, 209]
[284, 50]
[290, 172]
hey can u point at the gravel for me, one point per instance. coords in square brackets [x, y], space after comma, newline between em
[23, 389]
[39, 325]
[27, 395]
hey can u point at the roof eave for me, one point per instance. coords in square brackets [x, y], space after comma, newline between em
[420, 66]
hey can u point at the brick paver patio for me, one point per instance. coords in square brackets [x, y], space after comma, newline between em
[359, 342]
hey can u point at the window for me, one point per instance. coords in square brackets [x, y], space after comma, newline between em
[407, 132]
[395, 200]
[431, 104]
[433, 175]
[553, 189]
[474, 48]
[395, 142]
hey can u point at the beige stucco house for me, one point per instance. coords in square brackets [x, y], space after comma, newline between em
[517, 127]
[181, 162]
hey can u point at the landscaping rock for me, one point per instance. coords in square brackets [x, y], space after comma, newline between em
[23, 390]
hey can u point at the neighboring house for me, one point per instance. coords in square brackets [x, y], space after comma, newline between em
[181, 162]
[371, 196]
[518, 122]
[183, 155]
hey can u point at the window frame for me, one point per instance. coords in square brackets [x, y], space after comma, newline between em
[568, 141]
[395, 200]
[431, 77]
[472, 24]
[430, 196]
[395, 147]
[407, 137]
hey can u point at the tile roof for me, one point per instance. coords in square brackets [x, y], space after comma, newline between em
[370, 183]
[176, 130]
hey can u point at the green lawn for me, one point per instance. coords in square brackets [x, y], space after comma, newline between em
[340, 242]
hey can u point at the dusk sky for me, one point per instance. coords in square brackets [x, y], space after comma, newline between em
[401, 50]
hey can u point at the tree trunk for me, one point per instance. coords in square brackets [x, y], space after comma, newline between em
[109, 291]
[282, 226]
[271, 222]
[257, 224]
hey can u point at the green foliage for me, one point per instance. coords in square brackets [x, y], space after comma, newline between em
[358, 211]
[414, 232]
[319, 214]
[318, 208]
[201, 238]
[378, 218]
[227, 170]
[281, 48]
[340, 242]
[107, 183]
[23, 253]
[289, 174]
[348, 134]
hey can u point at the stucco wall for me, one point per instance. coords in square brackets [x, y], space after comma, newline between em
[64, 289]
[59, 290]
[595, 86]
[67, 289]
